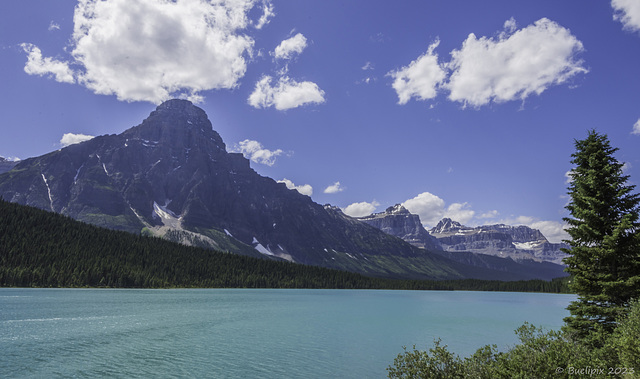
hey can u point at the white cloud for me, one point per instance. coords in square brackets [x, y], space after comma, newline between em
[554, 231]
[513, 65]
[361, 209]
[367, 66]
[428, 206]
[287, 48]
[37, 65]
[286, 94]
[636, 128]
[432, 209]
[254, 151]
[626, 167]
[53, 26]
[491, 214]
[304, 189]
[152, 50]
[421, 78]
[11, 159]
[267, 14]
[71, 139]
[459, 212]
[334, 188]
[568, 178]
[628, 13]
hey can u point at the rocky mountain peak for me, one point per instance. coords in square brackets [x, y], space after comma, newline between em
[446, 225]
[399, 222]
[179, 124]
[397, 209]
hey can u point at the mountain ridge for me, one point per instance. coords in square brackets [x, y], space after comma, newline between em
[518, 242]
[171, 176]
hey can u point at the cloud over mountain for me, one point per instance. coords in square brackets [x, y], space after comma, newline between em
[304, 189]
[334, 188]
[254, 151]
[150, 50]
[72, 138]
[361, 209]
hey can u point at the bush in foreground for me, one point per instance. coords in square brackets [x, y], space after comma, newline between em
[540, 354]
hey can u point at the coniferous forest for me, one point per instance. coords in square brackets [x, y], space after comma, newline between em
[44, 249]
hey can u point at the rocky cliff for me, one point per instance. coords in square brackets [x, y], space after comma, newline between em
[516, 242]
[399, 222]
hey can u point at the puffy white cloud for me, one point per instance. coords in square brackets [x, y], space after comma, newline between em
[636, 128]
[513, 65]
[334, 188]
[420, 78]
[37, 65]
[628, 13]
[152, 50]
[428, 206]
[286, 94]
[367, 66]
[553, 230]
[304, 189]
[71, 139]
[459, 212]
[432, 209]
[53, 26]
[361, 209]
[254, 151]
[287, 48]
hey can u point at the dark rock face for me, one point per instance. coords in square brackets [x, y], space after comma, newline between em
[171, 176]
[399, 222]
[516, 242]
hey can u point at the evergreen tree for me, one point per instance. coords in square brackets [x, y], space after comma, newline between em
[605, 244]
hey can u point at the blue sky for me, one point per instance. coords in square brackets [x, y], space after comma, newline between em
[455, 108]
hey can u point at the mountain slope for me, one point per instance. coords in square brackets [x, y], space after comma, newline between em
[6, 165]
[171, 176]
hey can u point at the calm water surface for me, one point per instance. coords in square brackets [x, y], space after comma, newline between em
[242, 333]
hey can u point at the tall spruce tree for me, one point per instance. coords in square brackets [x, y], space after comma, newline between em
[605, 244]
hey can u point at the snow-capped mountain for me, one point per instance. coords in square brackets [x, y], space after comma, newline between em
[517, 242]
[399, 222]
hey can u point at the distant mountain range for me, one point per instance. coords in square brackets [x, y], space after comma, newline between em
[172, 177]
[516, 242]
[475, 246]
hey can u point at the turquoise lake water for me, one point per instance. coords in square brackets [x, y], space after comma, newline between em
[244, 333]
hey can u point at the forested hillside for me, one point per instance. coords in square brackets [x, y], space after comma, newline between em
[44, 249]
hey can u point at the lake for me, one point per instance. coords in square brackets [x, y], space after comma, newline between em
[247, 333]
